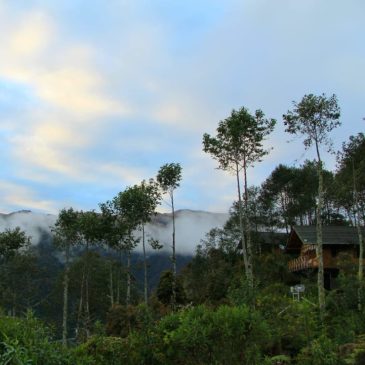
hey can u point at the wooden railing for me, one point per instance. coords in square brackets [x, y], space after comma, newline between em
[308, 260]
[302, 263]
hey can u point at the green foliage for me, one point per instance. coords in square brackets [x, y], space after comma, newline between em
[321, 351]
[21, 278]
[313, 117]
[344, 321]
[240, 292]
[289, 196]
[207, 278]
[277, 360]
[97, 285]
[239, 139]
[273, 269]
[137, 203]
[169, 176]
[164, 289]
[90, 226]
[101, 350]
[11, 241]
[199, 335]
[27, 341]
[351, 174]
[238, 145]
[121, 320]
[293, 324]
[228, 335]
[353, 353]
[66, 231]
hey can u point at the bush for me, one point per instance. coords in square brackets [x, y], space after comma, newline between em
[228, 335]
[102, 350]
[321, 351]
[26, 341]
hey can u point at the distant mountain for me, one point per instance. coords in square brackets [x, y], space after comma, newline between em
[191, 227]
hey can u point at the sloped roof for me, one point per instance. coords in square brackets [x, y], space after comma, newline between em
[332, 235]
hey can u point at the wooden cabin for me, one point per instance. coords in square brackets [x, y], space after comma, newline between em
[337, 240]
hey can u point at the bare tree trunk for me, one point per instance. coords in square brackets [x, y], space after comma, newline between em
[240, 216]
[87, 308]
[65, 297]
[145, 267]
[173, 258]
[248, 228]
[111, 284]
[361, 242]
[83, 317]
[321, 292]
[118, 290]
[79, 314]
[128, 298]
[119, 277]
[14, 301]
[87, 299]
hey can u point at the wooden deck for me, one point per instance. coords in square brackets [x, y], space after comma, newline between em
[309, 261]
[302, 263]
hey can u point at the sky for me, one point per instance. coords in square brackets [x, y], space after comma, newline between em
[97, 95]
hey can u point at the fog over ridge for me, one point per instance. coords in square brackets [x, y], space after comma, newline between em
[191, 227]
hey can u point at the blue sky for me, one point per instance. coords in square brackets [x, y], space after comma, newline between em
[97, 95]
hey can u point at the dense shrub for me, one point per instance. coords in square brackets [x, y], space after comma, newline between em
[228, 335]
[27, 341]
[321, 351]
[198, 335]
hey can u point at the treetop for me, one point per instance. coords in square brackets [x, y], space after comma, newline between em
[169, 176]
[314, 117]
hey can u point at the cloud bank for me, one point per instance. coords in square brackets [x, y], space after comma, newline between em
[191, 227]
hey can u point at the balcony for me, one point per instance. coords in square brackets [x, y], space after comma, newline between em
[302, 263]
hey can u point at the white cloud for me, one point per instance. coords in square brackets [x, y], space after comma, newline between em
[16, 195]
[127, 175]
[31, 36]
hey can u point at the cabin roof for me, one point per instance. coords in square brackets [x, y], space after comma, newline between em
[331, 235]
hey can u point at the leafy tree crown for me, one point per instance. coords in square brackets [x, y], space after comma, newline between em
[169, 176]
[239, 139]
[12, 240]
[313, 117]
[66, 230]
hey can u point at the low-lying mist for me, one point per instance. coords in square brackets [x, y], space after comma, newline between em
[191, 227]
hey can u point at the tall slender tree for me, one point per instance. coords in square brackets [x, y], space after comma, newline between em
[127, 207]
[237, 146]
[90, 230]
[115, 230]
[12, 241]
[169, 177]
[314, 117]
[138, 204]
[66, 235]
[149, 199]
[351, 178]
